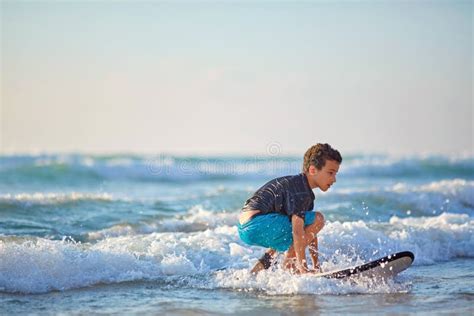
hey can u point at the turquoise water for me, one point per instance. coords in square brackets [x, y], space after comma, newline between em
[131, 233]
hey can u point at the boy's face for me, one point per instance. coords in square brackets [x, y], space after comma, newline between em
[325, 177]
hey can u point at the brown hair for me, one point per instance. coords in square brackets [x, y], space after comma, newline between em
[317, 155]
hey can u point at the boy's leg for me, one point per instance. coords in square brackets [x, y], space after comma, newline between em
[313, 244]
[264, 262]
[313, 252]
[271, 231]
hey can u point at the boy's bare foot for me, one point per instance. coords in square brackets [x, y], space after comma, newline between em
[290, 265]
[264, 262]
[257, 268]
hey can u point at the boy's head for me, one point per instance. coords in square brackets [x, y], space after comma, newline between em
[320, 165]
[318, 154]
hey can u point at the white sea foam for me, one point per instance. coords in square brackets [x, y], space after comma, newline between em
[196, 219]
[435, 238]
[53, 198]
[449, 194]
[281, 282]
[197, 215]
[432, 239]
[36, 265]
[452, 186]
[457, 194]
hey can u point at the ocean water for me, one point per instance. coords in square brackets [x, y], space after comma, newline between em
[146, 234]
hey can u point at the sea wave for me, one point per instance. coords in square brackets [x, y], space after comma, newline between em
[197, 218]
[168, 168]
[90, 216]
[38, 265]
[432, 198]
[52, 198]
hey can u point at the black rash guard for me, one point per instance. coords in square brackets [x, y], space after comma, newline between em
[290, 195]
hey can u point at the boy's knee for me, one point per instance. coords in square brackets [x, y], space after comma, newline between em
[319, 219]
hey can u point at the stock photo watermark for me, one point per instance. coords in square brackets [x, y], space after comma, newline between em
[270, 163]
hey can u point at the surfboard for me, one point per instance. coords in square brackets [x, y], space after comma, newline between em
[385, 267]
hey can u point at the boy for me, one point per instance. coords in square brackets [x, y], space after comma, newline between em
[279, 215]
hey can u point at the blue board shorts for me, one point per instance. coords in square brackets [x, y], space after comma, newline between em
[271, 230]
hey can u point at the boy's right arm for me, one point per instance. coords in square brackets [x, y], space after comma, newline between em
[299, 243]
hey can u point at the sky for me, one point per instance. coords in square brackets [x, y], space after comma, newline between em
[236, 77]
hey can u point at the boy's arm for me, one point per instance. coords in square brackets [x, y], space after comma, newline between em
[299, 243]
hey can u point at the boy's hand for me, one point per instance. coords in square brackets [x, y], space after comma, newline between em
[306, 270]
[302, 270]
[299, 242]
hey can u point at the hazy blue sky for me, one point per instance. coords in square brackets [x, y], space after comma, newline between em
[236, 77]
